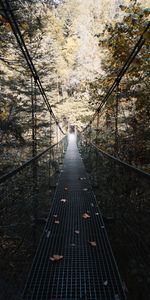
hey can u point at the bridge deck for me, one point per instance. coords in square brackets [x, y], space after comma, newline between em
[86, 271]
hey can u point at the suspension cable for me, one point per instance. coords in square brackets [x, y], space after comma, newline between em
[122, 72]
[10, 174]
[15, 28]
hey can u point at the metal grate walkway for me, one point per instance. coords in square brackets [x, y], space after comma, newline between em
[87, 270]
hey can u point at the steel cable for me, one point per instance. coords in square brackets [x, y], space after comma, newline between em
[15, 28]
[122, 72]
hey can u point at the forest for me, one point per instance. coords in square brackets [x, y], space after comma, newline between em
[76, 50]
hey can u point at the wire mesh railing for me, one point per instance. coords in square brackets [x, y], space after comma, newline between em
[32, 144]
[123, 197]
[24, 206]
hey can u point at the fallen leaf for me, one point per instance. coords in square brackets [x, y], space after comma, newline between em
[102, 227]
[56, 257]
[96, 214]
[77, 231]
[92, 204]
[86, 216]
[82, 178]
[72, 245]
[55, 216]
[57, 222]
[93, 243]
[85, 190]
[66, 189]
[63, 200]
[105, 283]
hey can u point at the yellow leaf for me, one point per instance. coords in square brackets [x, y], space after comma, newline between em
[77, 231]
[66, 189]
[3, 20]
[56, 257]
[57, 222]
[3, 115]
[8, 27]
[86, 216]
[63, 200]
[24, 26]
[92, 243]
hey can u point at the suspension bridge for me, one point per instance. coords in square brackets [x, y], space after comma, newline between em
[70, 257]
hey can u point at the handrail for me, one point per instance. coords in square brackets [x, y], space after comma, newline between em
[27, 163]
[119, 161]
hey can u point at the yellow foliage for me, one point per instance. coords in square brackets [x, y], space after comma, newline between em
[147, 35]
[3, 115]
[7, 27]
[24, 26]
[54, 27]
[5, 22]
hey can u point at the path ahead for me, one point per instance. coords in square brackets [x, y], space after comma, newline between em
[85, 270]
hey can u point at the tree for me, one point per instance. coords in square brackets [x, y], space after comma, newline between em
[117, 42]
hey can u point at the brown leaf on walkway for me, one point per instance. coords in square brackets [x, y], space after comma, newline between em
[56, 257]
[86, 216]
[77, 231]
[57, 222]
[63, 200]
[92, 243]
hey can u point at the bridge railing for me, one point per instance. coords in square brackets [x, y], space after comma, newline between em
[26, 195]
[123, 195]
[32, 148]
[34, 176]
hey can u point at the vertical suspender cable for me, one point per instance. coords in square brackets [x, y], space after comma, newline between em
[14, 25]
